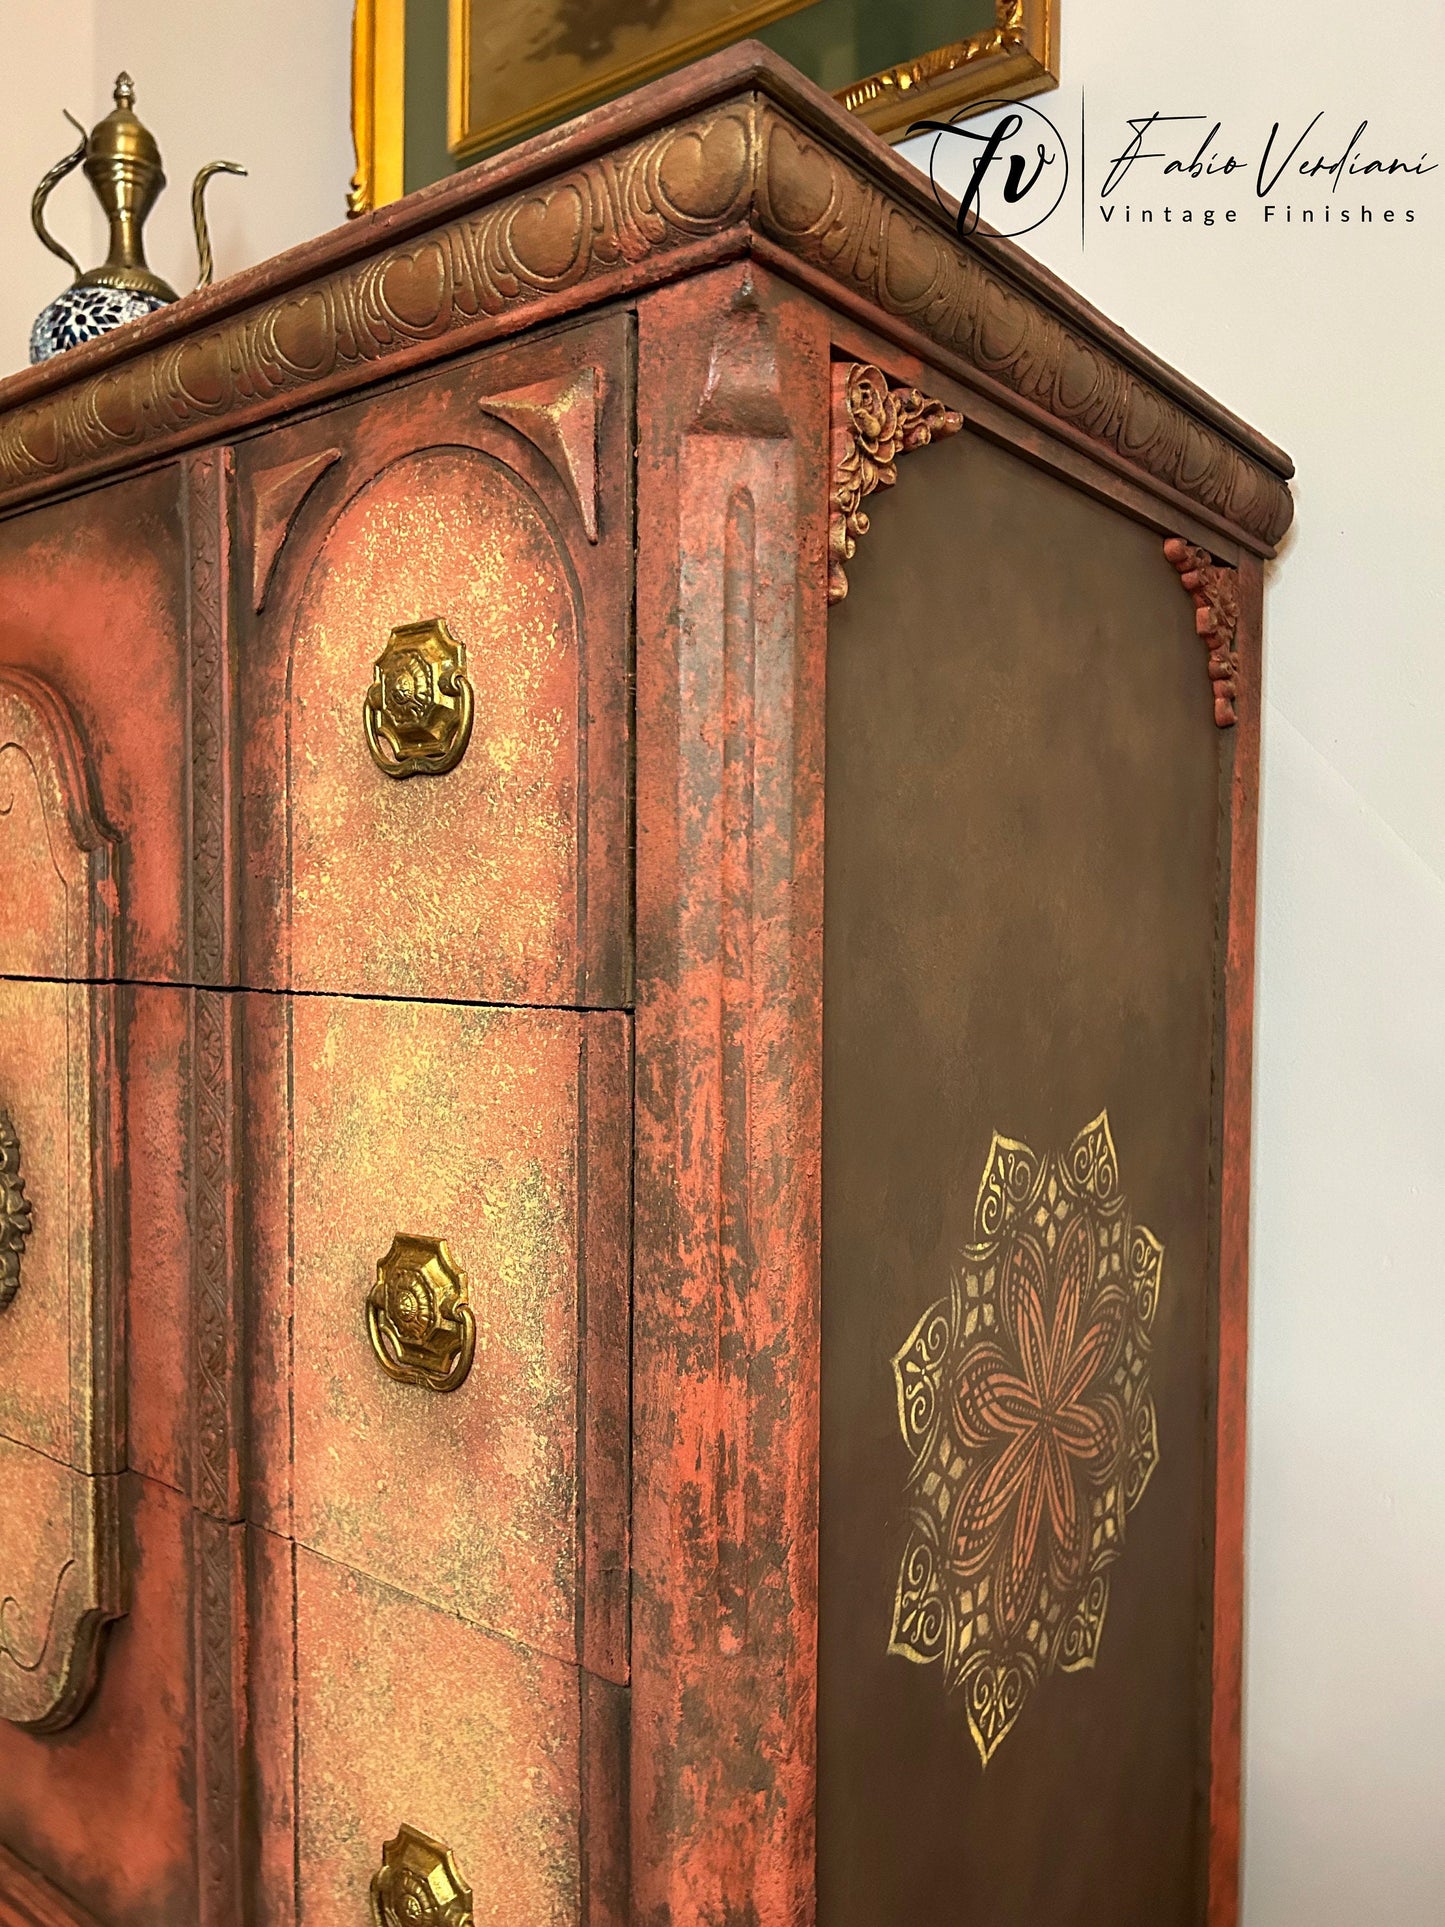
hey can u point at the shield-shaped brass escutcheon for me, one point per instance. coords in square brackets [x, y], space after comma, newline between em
[418, 710]
[417, 1314]
[418, 1885]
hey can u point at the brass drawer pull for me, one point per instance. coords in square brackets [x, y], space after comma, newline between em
[418, 711]
[417, 1885]
[421, 1325]
[17, 1220]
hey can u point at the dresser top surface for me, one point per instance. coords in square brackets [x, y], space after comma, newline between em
[736, 154]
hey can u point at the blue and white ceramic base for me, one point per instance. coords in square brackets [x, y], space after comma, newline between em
[83, 314]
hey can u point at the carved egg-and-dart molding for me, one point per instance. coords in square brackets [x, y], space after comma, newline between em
[746, 168]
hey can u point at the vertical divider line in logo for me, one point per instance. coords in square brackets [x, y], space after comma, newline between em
[1083, 170]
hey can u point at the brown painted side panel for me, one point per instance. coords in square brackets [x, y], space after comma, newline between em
[496, 497]
[1023, 850]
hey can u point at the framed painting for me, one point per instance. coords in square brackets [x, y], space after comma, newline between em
[903, 60]
[434, 88]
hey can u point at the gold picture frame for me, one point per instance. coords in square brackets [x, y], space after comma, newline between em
[378, 104]
[1017, 56]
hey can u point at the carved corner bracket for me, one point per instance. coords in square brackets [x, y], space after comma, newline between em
[874, 423]
[1214, 587]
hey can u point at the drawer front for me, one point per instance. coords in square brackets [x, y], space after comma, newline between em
[57, 918]
[61, 1443]
[410, 1745]
[435, 696]
[47, 1364]
[472, 1455]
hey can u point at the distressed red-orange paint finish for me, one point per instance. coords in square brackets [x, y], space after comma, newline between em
[405, 1713]
[731, 632]
[27, 1899]
[104, 1809]
[157, 1270]
[734, 468]
[1233, 1326]
[490, 1521]
[94, 602]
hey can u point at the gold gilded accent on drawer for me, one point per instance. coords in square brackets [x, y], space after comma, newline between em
[418, 1885]
[417, 1315]
[503, 1503]
[510, 1758]
[418, 711]
[17, 1220]
[465, 886]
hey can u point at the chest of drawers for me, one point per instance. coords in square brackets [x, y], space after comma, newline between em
[625, 1068]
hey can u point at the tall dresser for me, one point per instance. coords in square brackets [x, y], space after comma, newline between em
[627, 820]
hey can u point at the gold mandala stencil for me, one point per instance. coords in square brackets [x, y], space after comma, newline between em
[1023, 1399]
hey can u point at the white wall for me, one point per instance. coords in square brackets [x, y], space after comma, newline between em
[1332, 344]
[47, 61]
[1330, 340]
[266, 83]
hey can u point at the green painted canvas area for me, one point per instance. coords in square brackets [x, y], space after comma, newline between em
[834, 42]
[839, 41]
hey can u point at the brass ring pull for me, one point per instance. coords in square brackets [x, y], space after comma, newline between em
[17, 1218]
[418, 711]
[417, 1315]
[418, 1885]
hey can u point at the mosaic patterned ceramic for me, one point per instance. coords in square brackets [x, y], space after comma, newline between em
[83, 314]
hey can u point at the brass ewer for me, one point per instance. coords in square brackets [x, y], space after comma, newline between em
[123, 165]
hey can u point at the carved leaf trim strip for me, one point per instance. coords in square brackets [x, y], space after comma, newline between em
[881, 422]
[214, 1309]
[220, 1682]
[206, 543]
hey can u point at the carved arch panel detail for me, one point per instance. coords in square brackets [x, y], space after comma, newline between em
[60, 1365]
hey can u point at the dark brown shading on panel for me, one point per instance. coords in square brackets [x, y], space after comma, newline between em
[1022, 839]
